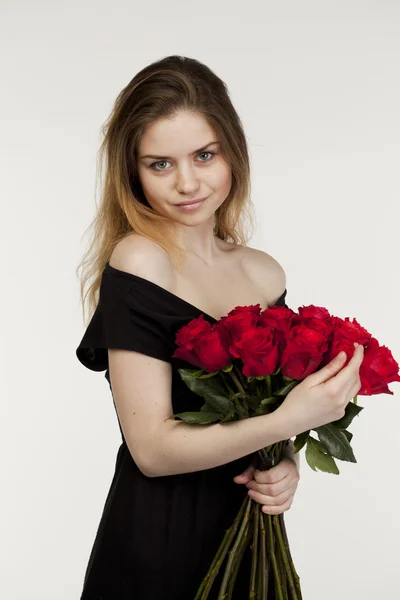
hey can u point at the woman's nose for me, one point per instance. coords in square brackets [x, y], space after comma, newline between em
[187, 183]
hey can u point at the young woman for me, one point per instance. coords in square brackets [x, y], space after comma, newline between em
[169, 244]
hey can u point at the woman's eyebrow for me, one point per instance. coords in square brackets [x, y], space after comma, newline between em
[169, 157]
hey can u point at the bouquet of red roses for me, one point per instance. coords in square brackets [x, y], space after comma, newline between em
[246, 364]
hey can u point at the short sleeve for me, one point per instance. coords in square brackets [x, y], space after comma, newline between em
[128, 316]
[282, 300]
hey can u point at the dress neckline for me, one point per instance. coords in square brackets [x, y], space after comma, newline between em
[113, 270]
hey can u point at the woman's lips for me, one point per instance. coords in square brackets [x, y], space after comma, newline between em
[191, 206]
[191, 202]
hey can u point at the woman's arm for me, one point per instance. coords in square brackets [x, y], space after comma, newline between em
[184, 448]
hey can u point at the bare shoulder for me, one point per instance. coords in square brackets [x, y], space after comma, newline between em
[140, 256]
[264, 269]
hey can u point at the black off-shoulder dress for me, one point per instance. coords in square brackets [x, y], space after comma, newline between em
[157, 536]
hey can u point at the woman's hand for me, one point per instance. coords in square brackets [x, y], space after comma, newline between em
[275, 488]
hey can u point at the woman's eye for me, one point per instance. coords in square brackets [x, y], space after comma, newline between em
[161, 162]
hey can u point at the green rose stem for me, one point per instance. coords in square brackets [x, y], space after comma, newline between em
[284, 567]
[270, 451]
[278, 584]
[207, 582]
[269, 387]
[260, 574]
[239, 374]
[260, 565]
[279, 526]
[232, 553]
[263, 588]
[254, 549]
[236, 380]
[238, 559]
[287, 548]
[282, 573]
[281, 569]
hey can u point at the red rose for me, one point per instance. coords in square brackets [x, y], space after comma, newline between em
[258, 349]
[378, 369]
[344, 334]
[303, 352]
[312, 312]
[280, 319]
[255, 346]
[315, 317]
[240, 319]
[201, 344]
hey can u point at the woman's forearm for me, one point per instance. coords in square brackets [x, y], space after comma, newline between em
[183, 448]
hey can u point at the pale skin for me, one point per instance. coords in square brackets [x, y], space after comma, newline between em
[176, 173]
[275, 488]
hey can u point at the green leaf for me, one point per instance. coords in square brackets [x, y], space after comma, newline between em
[321, 447]
[347, 434]
[198, 418]
[336, 442]
[283, 391]
[300, 441]
[254, 401]
[352, 410]
[231, 416]
[201, 386]
[318, 460]
[218, 404]
[241, 410]
[263, 409]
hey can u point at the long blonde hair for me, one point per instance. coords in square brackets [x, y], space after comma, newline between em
[160, 90]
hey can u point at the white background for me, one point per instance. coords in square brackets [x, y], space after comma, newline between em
[317, 87]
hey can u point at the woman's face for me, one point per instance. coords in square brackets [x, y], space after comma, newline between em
[186, 165]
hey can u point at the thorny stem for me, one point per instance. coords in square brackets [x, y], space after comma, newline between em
[287, 549]
[260, 566]
[232, 553]
[263, 559]
[238, 559]
[207, 582]
[272, 554]
[254, 548]
[282, 570]
[284, 556]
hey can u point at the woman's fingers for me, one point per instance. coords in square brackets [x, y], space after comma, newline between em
[276, 477]
[246, 476]
[277, 510]
[349, 376]
[274, 505]
[274, 500]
